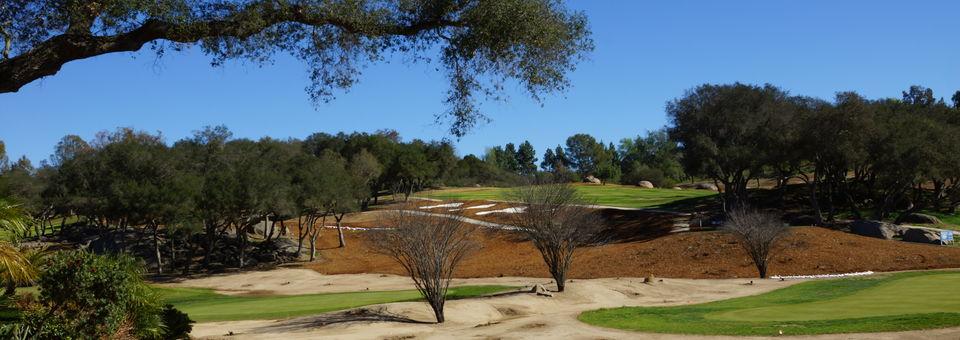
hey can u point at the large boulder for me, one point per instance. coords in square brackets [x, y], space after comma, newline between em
[876, 229]
[920, 219]
[705, 186]
[594, 180]
[922, 235]
[645, 185]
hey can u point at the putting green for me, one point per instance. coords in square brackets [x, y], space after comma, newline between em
[895, 302]
[914, 295]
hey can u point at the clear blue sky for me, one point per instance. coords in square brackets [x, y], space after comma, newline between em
[646, 54]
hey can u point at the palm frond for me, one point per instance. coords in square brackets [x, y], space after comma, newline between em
[15, 266]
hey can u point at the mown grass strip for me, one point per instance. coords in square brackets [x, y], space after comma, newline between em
[611, 195]
[205, 305]
[897, 302]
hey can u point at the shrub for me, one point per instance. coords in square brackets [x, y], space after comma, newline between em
[178, 324]
[86, 296]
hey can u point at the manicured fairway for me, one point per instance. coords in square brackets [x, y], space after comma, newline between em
[610, 194]
[905, 301]
[204, 305]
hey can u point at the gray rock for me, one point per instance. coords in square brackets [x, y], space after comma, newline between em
[876, 229]
[540, 290]
[921, 219]
[645, 185]
[593, 180]
[705, 186]
[921, 235]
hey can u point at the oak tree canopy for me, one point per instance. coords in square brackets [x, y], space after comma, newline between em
[480, 44]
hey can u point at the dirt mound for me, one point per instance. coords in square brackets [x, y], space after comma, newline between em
[807, 250]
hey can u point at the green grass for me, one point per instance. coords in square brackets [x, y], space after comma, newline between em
[610, 194]
[897, 302]
[204, 305]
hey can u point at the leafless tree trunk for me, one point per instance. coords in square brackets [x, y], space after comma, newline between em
[757, 232]
[339, 218]
[429, 248]
[557, 222]
[156, 246]
[314, 231]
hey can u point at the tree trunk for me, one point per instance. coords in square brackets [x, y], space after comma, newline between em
[242, 244]
[438, 311]
[340, 231]
[301, 233]
[211, 243]
[189, 260]
[273, 225]
[762, 269]
[314, 233]
[156, 248]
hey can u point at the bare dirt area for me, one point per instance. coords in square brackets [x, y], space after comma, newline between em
[697, 255]
[515, 316]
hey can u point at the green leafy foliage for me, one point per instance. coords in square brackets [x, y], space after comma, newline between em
[83, 295]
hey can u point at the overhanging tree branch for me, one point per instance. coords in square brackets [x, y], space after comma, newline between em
[47, 58]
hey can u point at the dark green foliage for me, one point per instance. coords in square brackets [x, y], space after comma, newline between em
[725, 130]
[177, 324]
[654, 157]
[527, 158]
[854, 154]
[83, 295]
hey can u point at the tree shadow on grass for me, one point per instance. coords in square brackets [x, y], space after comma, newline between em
[374, 314]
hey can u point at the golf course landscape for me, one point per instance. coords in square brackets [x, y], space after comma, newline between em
[479, 169]
[881, 303]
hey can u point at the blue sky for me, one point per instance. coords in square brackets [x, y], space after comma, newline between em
[646, 54]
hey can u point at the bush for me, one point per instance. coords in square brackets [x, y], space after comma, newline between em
[644, 173]
[86, 296]
[178, 324]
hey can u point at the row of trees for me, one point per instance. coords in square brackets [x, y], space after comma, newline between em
[211, 185]
[653, 157]
[853, 154]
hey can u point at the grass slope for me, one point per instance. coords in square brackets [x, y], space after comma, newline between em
[896, 302]
[204, 305]
[613, 195]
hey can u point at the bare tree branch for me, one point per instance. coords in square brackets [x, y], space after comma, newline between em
[429, 248]
[757, 232]
[557, 222]
[77, 43]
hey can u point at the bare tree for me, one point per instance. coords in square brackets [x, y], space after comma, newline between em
[558, 222]
[429, 248]
[757, 232]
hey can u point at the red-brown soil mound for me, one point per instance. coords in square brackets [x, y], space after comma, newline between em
[807, 250]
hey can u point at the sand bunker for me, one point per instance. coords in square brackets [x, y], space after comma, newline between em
[445, 205]
[510, 316]
[512, 210]
[482, 206]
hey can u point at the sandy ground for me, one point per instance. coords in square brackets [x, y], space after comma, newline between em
[514, 316]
